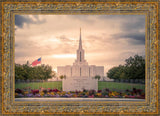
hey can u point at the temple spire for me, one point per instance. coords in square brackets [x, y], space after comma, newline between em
[80, 41]
[80, 52]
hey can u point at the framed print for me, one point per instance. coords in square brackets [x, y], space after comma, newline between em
[79, 78]
[90, 57]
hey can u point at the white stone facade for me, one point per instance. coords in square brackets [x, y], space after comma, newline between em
[80, 75]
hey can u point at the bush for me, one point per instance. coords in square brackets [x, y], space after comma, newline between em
[45, 91]
[19, 91]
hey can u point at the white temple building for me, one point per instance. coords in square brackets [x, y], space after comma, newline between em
[80, 75]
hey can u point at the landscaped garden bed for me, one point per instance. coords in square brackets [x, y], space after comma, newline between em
[55, 93]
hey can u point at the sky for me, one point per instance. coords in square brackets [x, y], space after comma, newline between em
[107, 39]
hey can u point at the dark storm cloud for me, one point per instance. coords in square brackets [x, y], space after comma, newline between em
[134, 38]
[131, 30]
[128, 22]
[134, 24]
[127, 18]
[20, 20]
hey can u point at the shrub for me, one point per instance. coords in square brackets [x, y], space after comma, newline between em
[45, 91]
[19, 91]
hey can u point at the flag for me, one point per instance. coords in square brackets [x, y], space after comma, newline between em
[38, 61]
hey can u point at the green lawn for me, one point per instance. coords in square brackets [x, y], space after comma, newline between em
[120, 86]
[101, 85]
[37, 85]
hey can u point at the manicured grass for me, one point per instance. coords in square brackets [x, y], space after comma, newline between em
[101, 85]
[120, 86]
[37, 85]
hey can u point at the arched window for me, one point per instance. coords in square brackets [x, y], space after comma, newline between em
[80, 56]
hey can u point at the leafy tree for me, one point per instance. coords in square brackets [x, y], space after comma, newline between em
[97, 77]
[19, 72]
[62, 77]
[112, 73]
[134, 68]
[25, 72]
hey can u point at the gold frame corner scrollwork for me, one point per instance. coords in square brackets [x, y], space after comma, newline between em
[149, 9]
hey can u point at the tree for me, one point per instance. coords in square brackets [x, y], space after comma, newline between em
[19, 72]
[97, 77]
[113, 73]
[45, 72]
[134, 68]
[62, 77]
[25, 72]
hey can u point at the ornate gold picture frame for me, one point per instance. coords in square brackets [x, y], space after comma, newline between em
[10, 106]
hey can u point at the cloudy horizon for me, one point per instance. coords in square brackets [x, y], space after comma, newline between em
[107, 39]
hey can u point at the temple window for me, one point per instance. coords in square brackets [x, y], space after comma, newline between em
[80, 56]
